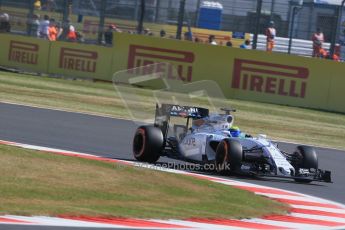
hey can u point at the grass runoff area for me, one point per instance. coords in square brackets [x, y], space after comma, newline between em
[38, 183]
[278, 122]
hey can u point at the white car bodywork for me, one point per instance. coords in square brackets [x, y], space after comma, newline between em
[195, 145]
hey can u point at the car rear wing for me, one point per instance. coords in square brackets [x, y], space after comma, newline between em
[165, 111]
[181, 111]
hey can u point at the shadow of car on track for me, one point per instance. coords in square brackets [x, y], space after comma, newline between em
[195, 168]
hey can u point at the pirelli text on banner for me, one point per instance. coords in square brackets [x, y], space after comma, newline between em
[23, 52]
[180, 62]
[78, 60]
[270, 78]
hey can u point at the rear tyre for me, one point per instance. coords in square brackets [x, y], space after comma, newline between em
[147, 144]
[228, 156]
[308, 160]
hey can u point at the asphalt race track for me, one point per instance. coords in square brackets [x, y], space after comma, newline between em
[110, 137]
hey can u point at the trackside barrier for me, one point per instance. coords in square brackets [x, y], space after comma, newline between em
[242, 74]
[336, 98]
[79, 60]
[25, 53]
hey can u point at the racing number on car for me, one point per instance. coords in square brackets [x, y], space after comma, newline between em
[189, 141]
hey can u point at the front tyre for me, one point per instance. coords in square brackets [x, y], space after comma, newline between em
[148, 144]
[228, 156]
[307, 160]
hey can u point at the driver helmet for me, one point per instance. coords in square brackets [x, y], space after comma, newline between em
[235, 131]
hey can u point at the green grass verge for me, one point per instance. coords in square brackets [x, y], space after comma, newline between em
[37, 183]
[278, 122]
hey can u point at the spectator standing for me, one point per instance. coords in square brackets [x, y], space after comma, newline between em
[188, 36]
[80, 37]
[43, 28]
[34, 25]
[162, 33]
[212, 40]
[270, 36]
[108, 35]
[71, 35]
[5, 26]
[147, 31]
[318, 39]
[337, 52]
[52, 31]
[245, 45]
[59, 30]
[37, 5]
[65, 30]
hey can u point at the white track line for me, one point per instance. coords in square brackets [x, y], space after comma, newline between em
[319, 217]
[332, 210]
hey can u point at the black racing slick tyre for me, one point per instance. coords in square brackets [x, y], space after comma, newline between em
[308, 160]
[148, 144]
[229, 156]
[309, 157]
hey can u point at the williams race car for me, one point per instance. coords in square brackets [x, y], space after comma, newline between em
[205, 138]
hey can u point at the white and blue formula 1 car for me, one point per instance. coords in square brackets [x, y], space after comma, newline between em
[204, 138]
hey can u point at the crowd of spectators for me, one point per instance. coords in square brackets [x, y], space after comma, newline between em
[318, 38]
[48, 28]
[52, 30]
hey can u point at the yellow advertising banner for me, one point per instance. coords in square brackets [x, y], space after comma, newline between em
[242, 74]
[279, 78]
[192, 61]
[24, 53]
[80, 60]
[336, 90]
